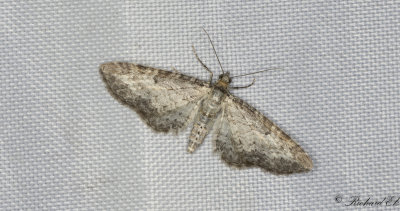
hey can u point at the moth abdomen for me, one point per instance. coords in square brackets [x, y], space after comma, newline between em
[197, 136]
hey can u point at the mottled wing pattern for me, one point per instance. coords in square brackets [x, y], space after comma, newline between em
[245, 137]
[166, 101]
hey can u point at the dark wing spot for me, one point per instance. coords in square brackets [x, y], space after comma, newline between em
[141, 66]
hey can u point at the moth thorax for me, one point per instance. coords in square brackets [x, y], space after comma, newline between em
[222, 84]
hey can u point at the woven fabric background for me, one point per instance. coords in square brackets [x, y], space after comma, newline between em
[65, 143]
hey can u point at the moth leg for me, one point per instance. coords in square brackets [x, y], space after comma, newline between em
[241, 87]
[174, 69]
[202, 64]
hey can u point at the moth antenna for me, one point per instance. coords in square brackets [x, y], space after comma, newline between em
[215, 52]
[257, 72]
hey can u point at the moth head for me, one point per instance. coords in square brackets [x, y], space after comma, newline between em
[224, 80]
[225, 77]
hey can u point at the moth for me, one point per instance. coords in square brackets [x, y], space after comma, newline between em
[169, 102]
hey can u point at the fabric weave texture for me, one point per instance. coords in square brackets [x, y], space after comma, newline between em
[66, 144]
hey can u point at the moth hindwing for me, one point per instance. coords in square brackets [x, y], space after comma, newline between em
[170, 101]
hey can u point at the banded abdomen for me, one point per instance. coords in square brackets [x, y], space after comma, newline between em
[209, 110]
